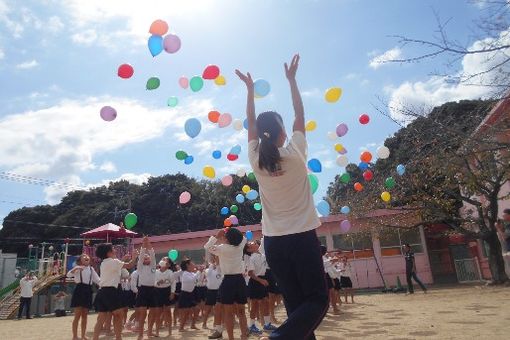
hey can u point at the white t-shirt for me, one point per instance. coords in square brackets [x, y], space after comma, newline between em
[146, 273]
[258, 264]
[231, 257]
[86, 275]
[213, 277]
[188, 281]
[134, 281]
[110, 272]
[345, 269]
[329, 268]
[286, 196]
[27, 286]
[168, 279]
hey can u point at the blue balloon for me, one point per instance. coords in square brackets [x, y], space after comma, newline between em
[252, 195]
[245, 123]
[314, 165]
[363, 166]
[261, 87]
[155, 44]
[401, 169]
[240, 198]
[192, 127]
[249, 235]
[323, 208]
[224, 211]
[345, 210]
[216, 154]
[188, 160]
[236, 150]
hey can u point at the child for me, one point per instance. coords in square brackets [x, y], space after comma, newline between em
[330, 273]
[60, 304]
[232, 290]
[108, 298]
[289, 217]
[213, 279]
[83, 275]
[200, 291]
[125, 291]
[145, 298]
[187, 297]
[133, 319]
[56, 264]
[345, 278]
[165, 288]
[274, 293]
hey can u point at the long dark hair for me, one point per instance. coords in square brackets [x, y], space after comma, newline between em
[269, 127]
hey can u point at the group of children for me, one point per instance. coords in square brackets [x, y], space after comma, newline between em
[338, 276]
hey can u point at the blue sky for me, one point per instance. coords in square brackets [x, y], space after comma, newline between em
[58, 63]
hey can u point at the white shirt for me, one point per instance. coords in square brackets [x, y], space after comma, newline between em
[213, 277]
[82, 274]
[231, 258]
[134, 282]
[329, 268]
[345, 269]
[258, 264]
[146, 273]
[27, 286]
[286, 196]
[110, 272]
[168, 278]
[188, 281]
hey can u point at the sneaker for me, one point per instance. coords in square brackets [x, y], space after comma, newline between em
[216, 335]
[269, 327]
[254, 330]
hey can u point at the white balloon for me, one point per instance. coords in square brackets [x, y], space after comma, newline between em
[241, 172]
[383, 152]
[342, 160]
[238, 124]
[332, 135]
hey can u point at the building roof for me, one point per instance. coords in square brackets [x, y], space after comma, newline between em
[495, 115]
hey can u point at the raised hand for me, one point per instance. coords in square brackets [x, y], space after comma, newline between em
[290, 72]
[246, 78]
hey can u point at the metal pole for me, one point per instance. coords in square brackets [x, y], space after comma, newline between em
[64, 269]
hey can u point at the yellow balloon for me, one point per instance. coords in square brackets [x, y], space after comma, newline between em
[246, 188]
[220, 80]
[386, 196]
[209, 171]
[339, 147]
[333, 94]
[311, 125]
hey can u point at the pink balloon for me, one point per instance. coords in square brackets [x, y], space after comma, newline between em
[227, 180]
[224, 120]
[185, 197]
[183, 82]
[341, 130]
[171, 43]
[108, 113]
[345, 226]
[233, 219]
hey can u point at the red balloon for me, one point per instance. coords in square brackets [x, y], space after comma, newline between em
[232, 157]
[364, 119]
[213, 116]
[125, 71]
[211, 72]
[368, 175]
[358, 186]
[366, 157]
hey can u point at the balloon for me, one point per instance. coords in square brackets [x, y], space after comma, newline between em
[333, 94]
[368, 175]
[366, 157]
[183, 82]
[342, 129]
[234, 208]
[390, 183]
[314, 183]
[345, 210]
[227, 222]
[257, 206]
[342, 161]
[252, 195]
[181, 155]
[211, 72]
[401, 169]
[224, 120]
[364, 119]
[238, 124]
[171, 43]
[249, 235]
[192, 127]
[125, 71]
[240, 198]
[383, 152]
[173, 255]
[185, 197]
[251, 177]
[196, 83]
[188, 160]
[345, 226]
[227, 180]
[261, 87]
[233, 219]
[363, 166]
[332, 135]
[323, 208]
[386, 196]
[152, 83]
[358, 186]
[216, 154]
[236, 149]
[155, 45]
[241, 172]
[224, 211]
[158, 27]
[314, 165]
[220, 80]
[213, 116]
[245, 124]
[246, 188]
[130, 220]
[108, 113]
[345, 178]
[209, 171]
[311, 125]
[340, 149]
[231, 157]
[172, 101]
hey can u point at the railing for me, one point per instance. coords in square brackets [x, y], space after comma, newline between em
[468, 270]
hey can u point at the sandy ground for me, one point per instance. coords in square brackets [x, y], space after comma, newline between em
[454, 313]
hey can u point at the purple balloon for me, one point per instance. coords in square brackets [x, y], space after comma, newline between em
[171, 43]
[108, 113]
[234, 219]
[341, 130]
[345, 226]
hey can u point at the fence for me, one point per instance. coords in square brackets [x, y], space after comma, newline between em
[468, 270]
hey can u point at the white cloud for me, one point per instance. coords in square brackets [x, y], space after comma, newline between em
[54, 24]
[108, 167]
[2, 54]
[86, 37]
[312, 93]
[378, 60]
[27, 65]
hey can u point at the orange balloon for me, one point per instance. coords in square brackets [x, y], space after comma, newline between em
[227, 222]
[158, 27]
[214, 116]
[358, 186]
[366, 157]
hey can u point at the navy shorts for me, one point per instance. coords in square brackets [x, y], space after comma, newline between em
[346, 282]
[187, 300]
[233, 290]
[108, 299]
[257, 291]
[211, 297]
[273, 286]
[146, 297]
[162, 297]
[200, 294]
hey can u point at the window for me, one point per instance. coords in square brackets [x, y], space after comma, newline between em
[322, 240]
[357, 245]
[392, 240]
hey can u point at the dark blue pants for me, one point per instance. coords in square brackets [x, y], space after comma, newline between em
[24, 302]
[296, 263]
[412, 275]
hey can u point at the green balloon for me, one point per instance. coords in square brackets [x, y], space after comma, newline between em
[257, 206]
[345, 178]
[181, 155]
[172, 101]
[130, 220]
[153, 83]
[314, 182]
[173, 254]
[196, 83]
[251, 177]
[234, 208]
[390, 183]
